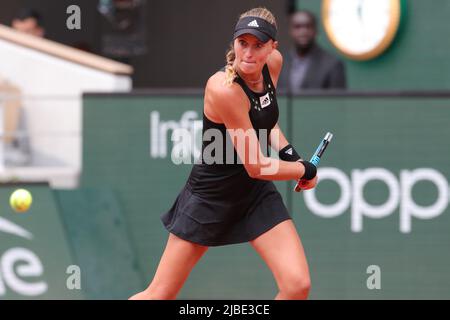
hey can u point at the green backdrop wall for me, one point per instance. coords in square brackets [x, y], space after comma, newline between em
[381, 203]
[35, 253]
[382, 199]
[70, 244]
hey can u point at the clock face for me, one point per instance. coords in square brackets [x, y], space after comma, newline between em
[361, 29]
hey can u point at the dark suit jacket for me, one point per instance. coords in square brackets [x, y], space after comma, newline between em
[325, 71]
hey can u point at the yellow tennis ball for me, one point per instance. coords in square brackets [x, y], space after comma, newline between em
[20, 200]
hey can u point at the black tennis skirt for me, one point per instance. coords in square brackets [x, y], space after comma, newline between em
[221, 204]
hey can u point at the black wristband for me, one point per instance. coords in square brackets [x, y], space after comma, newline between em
[288, 153]
[310, 170]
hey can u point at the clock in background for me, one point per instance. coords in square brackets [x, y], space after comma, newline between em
[361, 29]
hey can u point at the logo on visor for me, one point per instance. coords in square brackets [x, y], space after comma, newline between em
[254, 23]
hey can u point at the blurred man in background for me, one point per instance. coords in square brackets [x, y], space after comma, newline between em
[307, 65]
[29, 21]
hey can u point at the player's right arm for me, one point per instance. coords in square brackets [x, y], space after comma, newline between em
[231, 105]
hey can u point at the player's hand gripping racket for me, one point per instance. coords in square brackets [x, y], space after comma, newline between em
[315, 159]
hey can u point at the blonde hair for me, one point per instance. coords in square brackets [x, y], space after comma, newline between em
[261, 12]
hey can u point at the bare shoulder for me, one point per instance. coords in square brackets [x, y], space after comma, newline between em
[227, 104]
[216, 85]
[219, 94]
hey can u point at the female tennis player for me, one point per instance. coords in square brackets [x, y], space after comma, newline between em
[225, 203]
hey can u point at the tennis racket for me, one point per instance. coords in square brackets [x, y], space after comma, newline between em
[315, 159]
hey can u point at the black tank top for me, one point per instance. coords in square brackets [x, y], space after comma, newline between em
[263, 115]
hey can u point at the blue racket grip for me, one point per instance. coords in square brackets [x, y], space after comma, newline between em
[315, 160]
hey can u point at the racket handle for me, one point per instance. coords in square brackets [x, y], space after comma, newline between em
[315, 159]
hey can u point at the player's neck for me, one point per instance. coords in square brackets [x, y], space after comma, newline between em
[254, 81]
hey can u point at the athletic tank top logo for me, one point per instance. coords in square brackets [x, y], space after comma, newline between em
[265, 100]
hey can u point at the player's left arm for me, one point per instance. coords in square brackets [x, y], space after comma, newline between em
[278, 140]
[275, 62]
